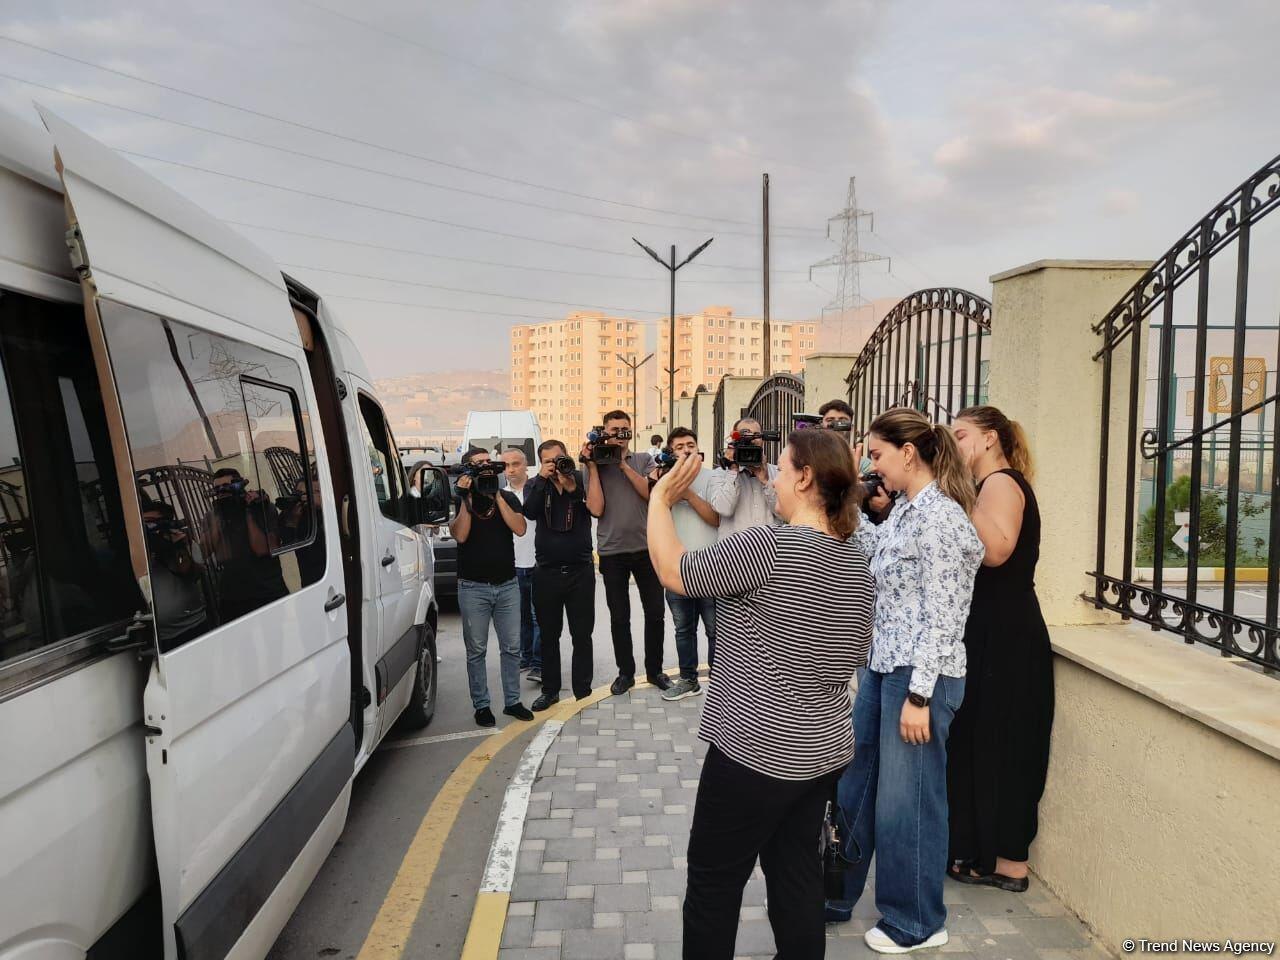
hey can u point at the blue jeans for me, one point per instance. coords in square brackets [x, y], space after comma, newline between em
[530, 635]
[893, 799]
[685, 611]
[480, 603]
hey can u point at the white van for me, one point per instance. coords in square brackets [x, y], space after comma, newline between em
[213, 601]
[501, 430]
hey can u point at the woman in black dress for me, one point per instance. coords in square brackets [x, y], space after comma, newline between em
[999, 751]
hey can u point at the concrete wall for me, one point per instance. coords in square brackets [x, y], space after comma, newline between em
[738, 392]
[824, 375]
[1159, 818]
[684, 411]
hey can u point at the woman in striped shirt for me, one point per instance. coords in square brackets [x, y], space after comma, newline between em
[894, 794]
[777, 716]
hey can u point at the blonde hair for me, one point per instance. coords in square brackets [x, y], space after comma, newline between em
[936, 447]
[1009, 434]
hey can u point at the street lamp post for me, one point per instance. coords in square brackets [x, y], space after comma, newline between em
[634, 367]
[672, 266]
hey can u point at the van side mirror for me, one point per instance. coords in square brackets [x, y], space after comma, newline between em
[432, 496]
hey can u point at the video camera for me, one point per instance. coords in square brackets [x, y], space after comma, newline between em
[484, 477]
[166, 525]
[745, 451]
[805, 421]
[229, 491]
[603, 453]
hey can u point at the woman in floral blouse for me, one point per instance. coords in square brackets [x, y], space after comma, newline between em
[893, 797]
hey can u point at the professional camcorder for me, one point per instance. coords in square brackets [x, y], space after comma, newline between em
[565, 466]
[602, 451]
[806, 421]
[228, 491]
[166, 526]
[745, 451]
[484, 477]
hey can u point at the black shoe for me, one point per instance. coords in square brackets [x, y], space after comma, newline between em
[519, 711]
[485, 718]
[661, 681]
[544, 702]
[622, 685]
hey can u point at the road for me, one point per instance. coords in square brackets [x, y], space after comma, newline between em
[392, 795]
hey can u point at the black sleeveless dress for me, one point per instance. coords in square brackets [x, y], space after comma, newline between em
[998, 750]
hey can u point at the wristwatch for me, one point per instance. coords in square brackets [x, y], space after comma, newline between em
[917, 700]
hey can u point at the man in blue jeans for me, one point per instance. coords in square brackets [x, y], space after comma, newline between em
[485, 529]
[696, 522]
[526, 560]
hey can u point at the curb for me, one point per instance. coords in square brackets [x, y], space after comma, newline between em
[489, 916]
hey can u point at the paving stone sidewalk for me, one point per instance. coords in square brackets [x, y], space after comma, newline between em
[601, 869]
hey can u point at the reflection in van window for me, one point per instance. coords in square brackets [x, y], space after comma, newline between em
[64, 558]
[384, 464]
[224, 461]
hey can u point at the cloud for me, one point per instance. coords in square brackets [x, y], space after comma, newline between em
[1120, 203]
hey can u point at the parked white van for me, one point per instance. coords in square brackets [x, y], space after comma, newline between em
[213, 601]
[500, 430]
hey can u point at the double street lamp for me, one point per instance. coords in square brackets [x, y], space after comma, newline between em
[672, 266]
[634, 366]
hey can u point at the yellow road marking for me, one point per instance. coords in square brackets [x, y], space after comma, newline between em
[488, 920]
[391, 928]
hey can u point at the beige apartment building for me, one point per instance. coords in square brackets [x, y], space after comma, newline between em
[715, 343]
[568, 372]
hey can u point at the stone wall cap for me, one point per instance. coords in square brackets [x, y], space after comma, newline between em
[832, 356]
[1073, 265]
[1223, 694]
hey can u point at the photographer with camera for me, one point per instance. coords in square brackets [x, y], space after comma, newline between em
[243, 533]
[777, 716]
[836, 415]
[488, 520]
[624, 550]
[526, 560]
[564, 582]
[742, 492]
[177, 591]
[696, 522]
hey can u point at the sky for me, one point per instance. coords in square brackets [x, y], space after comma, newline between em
[452, 169]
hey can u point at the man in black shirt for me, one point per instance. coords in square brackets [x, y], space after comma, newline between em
[564, 581]
[487, 588]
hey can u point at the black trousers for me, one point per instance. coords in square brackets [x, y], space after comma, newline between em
[741, 815]
[616, 569]
[559, 592]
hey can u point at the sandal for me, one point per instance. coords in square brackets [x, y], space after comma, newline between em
[964, 872]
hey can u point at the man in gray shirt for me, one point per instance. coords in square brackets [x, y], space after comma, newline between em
[744, 496]
[624, 553]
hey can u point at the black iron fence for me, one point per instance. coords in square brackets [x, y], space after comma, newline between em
[926, 353]
[715, 444]
[1198, 458]
[774, 404]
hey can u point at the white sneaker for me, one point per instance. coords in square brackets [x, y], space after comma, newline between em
[880, 942]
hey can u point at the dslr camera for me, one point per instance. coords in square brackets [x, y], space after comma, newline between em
[872, 483]
[602, 452]
[745, 451]
[484, 477]
[565, 466]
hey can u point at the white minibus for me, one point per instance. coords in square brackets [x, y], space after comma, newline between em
[214, 603]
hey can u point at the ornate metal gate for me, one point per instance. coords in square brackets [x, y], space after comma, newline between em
[773, 404]
[926, 353]
[1217, 349]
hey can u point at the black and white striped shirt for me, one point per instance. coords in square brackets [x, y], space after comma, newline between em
[793, 621]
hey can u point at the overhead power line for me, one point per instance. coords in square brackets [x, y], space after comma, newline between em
[361, 168]
[362, 142]
[389, 210]
[490, 263]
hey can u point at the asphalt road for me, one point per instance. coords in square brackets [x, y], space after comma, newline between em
[392, 795]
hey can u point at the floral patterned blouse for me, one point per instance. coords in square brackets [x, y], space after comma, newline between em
[924, 558]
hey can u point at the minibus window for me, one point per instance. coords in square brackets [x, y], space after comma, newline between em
[384, 464]
[64, 567]
[223, 454]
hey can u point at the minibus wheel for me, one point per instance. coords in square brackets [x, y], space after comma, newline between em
[422, 703]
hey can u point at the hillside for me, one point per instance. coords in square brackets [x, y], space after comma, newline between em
[427, 407]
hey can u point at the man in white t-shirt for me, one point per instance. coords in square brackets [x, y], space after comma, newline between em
[530, 647]
[655, 445]
[696, 522]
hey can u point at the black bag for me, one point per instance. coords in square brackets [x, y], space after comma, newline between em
[835, 862]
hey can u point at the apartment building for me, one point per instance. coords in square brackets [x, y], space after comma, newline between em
[568, 372]
[715, 343]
